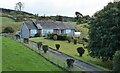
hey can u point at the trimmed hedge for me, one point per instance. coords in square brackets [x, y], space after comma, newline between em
[59, 37]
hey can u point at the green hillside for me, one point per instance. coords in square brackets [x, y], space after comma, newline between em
[8, 22]
[17, 57]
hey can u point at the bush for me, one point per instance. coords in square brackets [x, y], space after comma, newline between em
[70, 63]
[85, 39]
[17, 36]
[116, 62]
[26, 40]
[69, 39]
[55, 37]
[8, 30]
[57, 46]
[39, 44]
[62, 37]
[37, 35]
[45, 48]
[80, 50]
[75, 41]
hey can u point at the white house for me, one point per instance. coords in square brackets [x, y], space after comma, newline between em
[30, 28]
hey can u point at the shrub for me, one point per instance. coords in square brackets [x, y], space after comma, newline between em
[55, 37]
[75, 41]
[80, 50]
[116, 62]
[45, 48]
[26, 40]
[85, 39]
[37, 35]
[70, 63]
[62, 37]
[39, 44]
[57, 46]
[17, 36]
[69, 39]
[8, 30]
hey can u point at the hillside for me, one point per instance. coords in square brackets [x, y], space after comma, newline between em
[17, 57]
[8, 22]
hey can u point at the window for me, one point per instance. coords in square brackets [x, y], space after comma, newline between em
[33, 32]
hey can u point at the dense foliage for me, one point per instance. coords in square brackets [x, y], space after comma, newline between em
[81, 51]
[57, 46]
[45, 48]
[57, 37]
[104, 32]
[116, 62]
[39, 44]
[70, 63]
[8, 30]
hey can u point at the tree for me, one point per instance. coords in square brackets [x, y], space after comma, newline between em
[57, 46]
[8, 30]
[78, 14]
[116, 62]
[19, 6]
[59, 18]
[78, 17]
[81, 51]
[104, 36]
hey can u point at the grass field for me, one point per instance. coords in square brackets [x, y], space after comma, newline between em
[7, 22]
[70, 49]
[81, 27]
[17, 57]
[0, 54]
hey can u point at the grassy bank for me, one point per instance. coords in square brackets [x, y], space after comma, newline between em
[8, 22]
[17, 57]
[70, 49]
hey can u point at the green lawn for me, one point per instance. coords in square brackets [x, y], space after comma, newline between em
[17, 57]
[0, 54]
[7, 22]
[70, 49]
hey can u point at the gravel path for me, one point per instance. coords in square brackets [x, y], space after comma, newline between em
[84, 66]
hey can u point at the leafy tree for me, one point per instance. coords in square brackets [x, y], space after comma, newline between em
[57, 46]
[8, 30]
[81, 51]
[104, 32]
[78, 17]
[116, 62]
[59, 18]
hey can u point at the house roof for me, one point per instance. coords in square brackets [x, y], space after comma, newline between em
[54, 25]
[30, 25]
[48, 25]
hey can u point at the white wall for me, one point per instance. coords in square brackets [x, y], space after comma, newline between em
[33, 32]
[46, 31]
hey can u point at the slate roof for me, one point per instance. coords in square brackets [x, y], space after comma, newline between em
[30, 25]
[54, 25]
[48, 25]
